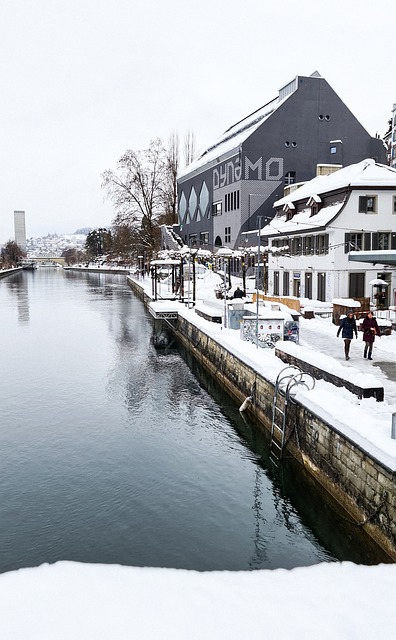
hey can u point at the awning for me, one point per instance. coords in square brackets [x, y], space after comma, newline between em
[374, 257]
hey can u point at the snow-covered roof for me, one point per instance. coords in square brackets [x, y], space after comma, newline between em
[233, 137]
[303, 221]
[365, 173]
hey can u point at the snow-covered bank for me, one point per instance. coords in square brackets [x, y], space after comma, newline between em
[9, 272]
[106, 602]
[366, 422]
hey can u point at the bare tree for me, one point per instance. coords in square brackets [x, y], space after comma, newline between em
[189, 147]
[125, 243]
[11, 254]
[137, 191]
[170, 186]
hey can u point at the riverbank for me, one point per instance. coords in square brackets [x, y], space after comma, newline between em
[99, 269]
[343, 441]
[9, 272]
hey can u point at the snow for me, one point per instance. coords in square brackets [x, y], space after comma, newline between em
[107, 602]
[365, 173]
[230, 141]
[365, 421]
[347, 302]
[331, 365]
[301, 221]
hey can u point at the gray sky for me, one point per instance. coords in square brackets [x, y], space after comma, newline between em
[84, 80]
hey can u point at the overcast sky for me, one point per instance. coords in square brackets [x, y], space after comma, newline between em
[84, 80]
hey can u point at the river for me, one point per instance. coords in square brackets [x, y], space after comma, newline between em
[113, 452]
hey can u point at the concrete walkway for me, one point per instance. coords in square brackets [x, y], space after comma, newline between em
[320, 334]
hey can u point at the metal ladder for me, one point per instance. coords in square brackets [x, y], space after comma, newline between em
[287, 380]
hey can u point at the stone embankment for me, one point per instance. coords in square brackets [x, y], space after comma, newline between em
[97, 269]
[363, 485]
[9, 272]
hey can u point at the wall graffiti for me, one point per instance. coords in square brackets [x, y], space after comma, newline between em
[231, 171]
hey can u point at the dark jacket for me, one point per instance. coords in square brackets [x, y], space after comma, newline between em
[238, 293]
[348, 328]
[370, 328]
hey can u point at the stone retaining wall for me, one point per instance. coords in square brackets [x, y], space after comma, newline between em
[9, 272]
[361, 484]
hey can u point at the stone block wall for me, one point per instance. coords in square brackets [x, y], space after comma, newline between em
[361, 484]
[364, 487]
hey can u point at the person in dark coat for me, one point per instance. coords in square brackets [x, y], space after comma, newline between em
[238, 293]
[348, 328]
[370, 329]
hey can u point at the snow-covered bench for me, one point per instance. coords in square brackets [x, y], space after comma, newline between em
[209, 312]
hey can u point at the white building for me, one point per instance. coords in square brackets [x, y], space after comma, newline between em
[322, 222]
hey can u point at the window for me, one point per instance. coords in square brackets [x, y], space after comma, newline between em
[204, 237]
[286, 283]
[227, 234]
[192, 239]
[394, 204]
[356, 240]
[308, 246]
[276, 283]
[217, 208]
[356, 285]
[322, 287]
[322, 244]
[231, 201]
[296, 245]
[383, 240]
[290, 177]
[367, 204]
[333, 149]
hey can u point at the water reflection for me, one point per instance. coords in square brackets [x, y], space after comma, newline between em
[18, 285]
[301, 507]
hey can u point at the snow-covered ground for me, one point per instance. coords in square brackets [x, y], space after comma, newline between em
[71, 601]
[327, 601]
[367, 422]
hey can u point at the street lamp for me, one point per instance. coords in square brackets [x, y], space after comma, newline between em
[225, 253]
[258, 277]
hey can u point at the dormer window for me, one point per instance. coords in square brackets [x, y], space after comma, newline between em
[289, 210]
[315, 204]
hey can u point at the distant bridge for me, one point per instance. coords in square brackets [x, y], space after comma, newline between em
[47, 260]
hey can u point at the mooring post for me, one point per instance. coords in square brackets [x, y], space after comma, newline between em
[393, 434]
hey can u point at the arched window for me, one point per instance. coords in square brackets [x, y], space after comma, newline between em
[218, 242]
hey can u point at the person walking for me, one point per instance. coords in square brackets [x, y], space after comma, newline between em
[370, 329]
[238, 293]
[348, 328]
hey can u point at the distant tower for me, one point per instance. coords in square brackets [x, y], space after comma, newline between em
[20, 228]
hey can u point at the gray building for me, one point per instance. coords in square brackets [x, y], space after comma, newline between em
[390, 139]
[303, 132]
[20, 228]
